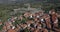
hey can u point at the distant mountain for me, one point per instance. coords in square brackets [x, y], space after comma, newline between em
[28, 1]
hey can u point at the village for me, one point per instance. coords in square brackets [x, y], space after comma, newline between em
[32, 22]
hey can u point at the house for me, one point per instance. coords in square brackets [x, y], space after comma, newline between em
[11, 30]
[0, 23]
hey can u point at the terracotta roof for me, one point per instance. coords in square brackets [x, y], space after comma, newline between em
[11, 30]
[0, 23]
[5, 28]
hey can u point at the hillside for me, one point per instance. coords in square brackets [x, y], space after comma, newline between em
[28, 1]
